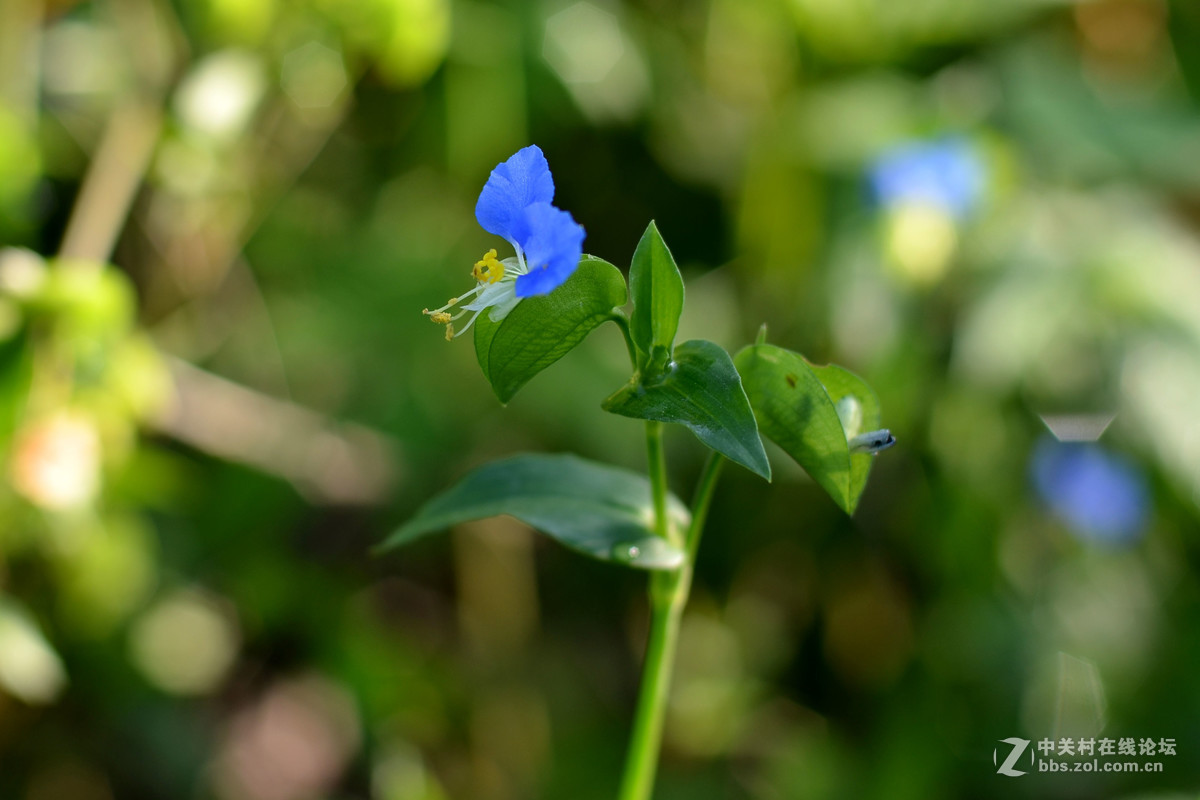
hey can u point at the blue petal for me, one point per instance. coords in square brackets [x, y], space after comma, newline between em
[520, 181]
[947, 173]
[553, 246]
[1101, 496]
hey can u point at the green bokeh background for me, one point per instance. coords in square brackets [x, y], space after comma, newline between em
[204, 618]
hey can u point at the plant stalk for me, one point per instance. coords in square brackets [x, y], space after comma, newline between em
[657, 464]
[623, 324]
[668, 597]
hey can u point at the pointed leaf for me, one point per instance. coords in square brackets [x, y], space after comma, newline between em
[840, 384]
[657, 290]
[601, 511]
[542, 329]
[796, 407]
[700, 389]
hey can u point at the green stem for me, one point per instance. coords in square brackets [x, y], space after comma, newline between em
[668, 597]
[623, 324]
[701, 501]
[657, 464]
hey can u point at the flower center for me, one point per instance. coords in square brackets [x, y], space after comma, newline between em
[488, 269]
[495, 289]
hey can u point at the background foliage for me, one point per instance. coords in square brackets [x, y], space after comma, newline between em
[223, 217]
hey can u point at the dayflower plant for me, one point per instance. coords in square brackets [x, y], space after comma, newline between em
[515, 204]
[546, 300]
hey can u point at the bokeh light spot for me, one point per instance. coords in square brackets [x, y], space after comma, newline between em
[186, 643]
[292, 744]
[56, 462]
[920, 240]
[218, 97]
[30, 670]
[583, 43]
[313, 75]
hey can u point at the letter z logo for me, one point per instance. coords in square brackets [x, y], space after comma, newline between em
[1018, 749]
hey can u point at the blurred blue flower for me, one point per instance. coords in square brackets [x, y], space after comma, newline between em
[1100, 496]
[946, 173]
[515, 204]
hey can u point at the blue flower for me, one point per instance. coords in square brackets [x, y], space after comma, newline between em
[947, 174]
[515, 204]
[1100, 496]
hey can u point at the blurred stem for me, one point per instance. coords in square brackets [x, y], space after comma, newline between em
[328, 461]
[126, 147]
[112, 181]
[668, 596]
[20, 57]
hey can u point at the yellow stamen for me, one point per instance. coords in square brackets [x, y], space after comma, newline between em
[449, 332]
[488, 268]
[440, 317]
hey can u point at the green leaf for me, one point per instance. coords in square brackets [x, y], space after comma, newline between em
[839, 384]
[700, 389]
[657, 289]
[598, 510]
[543, 329]
[796, 407]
